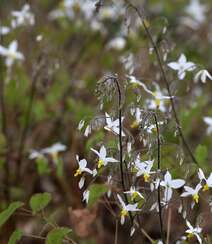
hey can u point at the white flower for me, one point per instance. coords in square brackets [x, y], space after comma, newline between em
[128, 62]
[81, 169]
[35, 154]
[181, 66]
[23, 17]
[151, 128]
[144, 168]
[113, 126]
[81, 124]
[191, 231]
[158, 101]
[138, 117]
[189, 191]
[54, 150]
[208, 121]
[170, 184]
[202, 75]
[196, 11]
[11, 53]
[134, 193]
[207, 181]
[4, 30]
[103, 159]
[87, 130]
[126, 208]
[117, 43]
[86, 195]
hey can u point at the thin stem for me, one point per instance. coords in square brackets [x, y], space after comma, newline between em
[163, 73]
[159, 162]
[116, 232]
[28, 116]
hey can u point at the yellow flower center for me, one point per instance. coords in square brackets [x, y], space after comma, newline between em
[135, 85]
[196, 198]
[205, 187]
[134, 195]
[190, 235]
[157, 102]
[55, 156]
[78, 172]
[100, 163]
[134, 124]
[146, 177]
[124, 213]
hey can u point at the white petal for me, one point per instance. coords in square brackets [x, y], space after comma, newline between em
[81, 182]
[173, 65]
[182, 59]
[177, 183]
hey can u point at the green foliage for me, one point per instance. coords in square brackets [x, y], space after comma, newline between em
[7, 213]
[15, 237]
[201, 153]
[96, 191]
[57, 235]
[39, 201]
[42, 166]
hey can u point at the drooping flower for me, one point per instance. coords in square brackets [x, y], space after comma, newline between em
[103, 159]
[182, 66]
[23, 17]
[11, 53]
[54, 150]
[202, 75]
[85, 196]
[208, 121]
[144, 169]
[117, 43]
[189, 191]
[36, 155]
[112, 125]
[81, 169]
[138, 117]
[207, 181]
[134, 193]
[193, 231]
[126, 208]
[170, 184]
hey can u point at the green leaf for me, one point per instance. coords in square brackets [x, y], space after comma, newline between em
[6, 214]
[57, 235]
[96, 191]
[39, 201]
[201, 153]
[15, 237]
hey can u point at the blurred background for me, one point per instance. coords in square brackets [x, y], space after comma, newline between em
[67, 47]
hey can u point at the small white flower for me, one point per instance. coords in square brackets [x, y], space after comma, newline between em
[54, 150]
[191, 231]
[144, 168]
[103, 159]
[86, 195]
[134, 193]
[202, 75]
[207, 181]
[23, 17]
[35, 154]
[81, 124]
[117, 43]
[113, 125]
[181, 66]
[11, 53]
[159, 97]
[4, 30]
[197, 11]
[138, 117]
[81, 169]
[170, 184]
[152, 128]
[126, 208]
[208, 121]
[189, 191]
[87, 131]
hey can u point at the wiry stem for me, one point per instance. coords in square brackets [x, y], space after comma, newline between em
[160, 63]
[158, 160]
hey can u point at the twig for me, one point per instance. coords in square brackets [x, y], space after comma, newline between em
[116, 232]
[160, 62]
[158, 159]
[168, 225]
